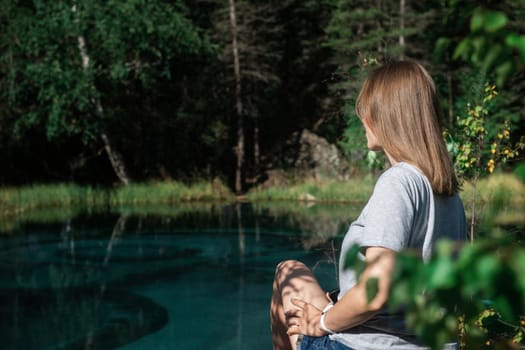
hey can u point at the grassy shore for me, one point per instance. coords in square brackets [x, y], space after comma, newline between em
[502, 195]
[352, 191]
[20, 200]
[499, 199]
[501, 189]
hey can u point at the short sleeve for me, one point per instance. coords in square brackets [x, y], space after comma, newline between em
[388, 218]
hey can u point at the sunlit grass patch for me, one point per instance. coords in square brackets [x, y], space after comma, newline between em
[505, 185]
[499, 201]
[17, 200]
[41, 203]
[355, 190]
[169, 192]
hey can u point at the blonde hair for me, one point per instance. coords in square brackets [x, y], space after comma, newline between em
[398, 101]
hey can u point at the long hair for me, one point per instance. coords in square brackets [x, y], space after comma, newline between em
[399, 103]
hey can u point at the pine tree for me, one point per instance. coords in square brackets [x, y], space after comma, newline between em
[253, 66]
[363, 34]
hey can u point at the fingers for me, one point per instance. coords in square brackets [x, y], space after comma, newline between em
[294, 330]
[294, 326]
[294, 313]
[299, 303]
[293, 322]
[304, 319]
[293, 317]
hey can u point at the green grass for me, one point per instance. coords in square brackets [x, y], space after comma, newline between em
[501, 184]
[169, 192]
[45, 203]
[500, 197]
[19, 200]
[352, 191]
[13, 200]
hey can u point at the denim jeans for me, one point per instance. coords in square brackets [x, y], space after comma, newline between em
[321, 343]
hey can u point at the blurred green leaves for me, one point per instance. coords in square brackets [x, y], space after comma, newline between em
[476, 290]
[489, 21]
[491, 46]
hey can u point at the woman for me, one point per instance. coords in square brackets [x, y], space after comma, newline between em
[414, 203]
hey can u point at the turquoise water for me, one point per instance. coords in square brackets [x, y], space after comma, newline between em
[127, 282]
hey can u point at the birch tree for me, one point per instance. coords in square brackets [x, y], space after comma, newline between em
[75, 60]
[117, 162]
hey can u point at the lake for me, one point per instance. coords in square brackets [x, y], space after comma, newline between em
[194, 276]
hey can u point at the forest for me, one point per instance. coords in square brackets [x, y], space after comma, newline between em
[109, 92]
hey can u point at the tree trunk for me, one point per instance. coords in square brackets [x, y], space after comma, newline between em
[115, 158]
[378, 24]
[256, 148]
[239, 149]
[450, 101]
[402, 27]
[117, 162]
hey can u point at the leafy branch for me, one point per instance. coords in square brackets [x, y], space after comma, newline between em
[475, 150]
[458, 292]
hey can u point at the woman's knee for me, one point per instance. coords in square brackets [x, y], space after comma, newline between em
[287, 266]
[294, 279]
[291, 269]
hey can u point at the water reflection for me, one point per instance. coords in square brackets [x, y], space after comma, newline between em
[172, 277]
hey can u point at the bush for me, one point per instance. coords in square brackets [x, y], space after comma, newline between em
[520, 172]
[476, 291]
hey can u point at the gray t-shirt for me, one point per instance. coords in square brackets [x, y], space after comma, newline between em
[402, 213]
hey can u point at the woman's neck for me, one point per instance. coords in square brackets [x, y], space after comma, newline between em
[391, 160]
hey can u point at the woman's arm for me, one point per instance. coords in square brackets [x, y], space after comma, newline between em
[353, 308]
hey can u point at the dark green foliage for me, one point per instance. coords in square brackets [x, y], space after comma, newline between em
[520, 171]
[77, 69]
[353, 260]
[126, 43]
[159, 80]
[372, 287]
[491, 44]
[363, 34]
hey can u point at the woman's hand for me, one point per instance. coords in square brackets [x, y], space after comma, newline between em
[304, 320]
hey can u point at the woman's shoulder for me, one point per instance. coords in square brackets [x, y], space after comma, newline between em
[403, 172]
[403, 179]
